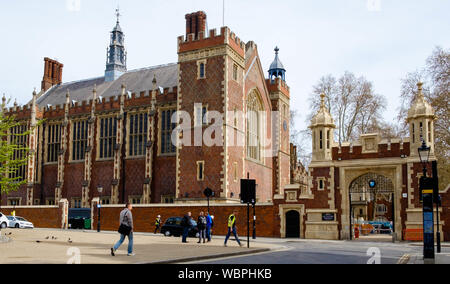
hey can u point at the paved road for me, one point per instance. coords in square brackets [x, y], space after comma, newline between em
[318, 252]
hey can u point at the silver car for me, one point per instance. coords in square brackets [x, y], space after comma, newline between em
[19, 222]
[4, 222]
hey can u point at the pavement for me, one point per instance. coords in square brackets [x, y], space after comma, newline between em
[42, 246]
[45, 246]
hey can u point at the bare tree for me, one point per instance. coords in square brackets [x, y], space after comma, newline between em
[353, 103]
[436, 78]
[298, 138]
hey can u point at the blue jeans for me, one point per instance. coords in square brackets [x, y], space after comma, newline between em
[185, 234]
[208, 233]
[130, 243]
[234, 233]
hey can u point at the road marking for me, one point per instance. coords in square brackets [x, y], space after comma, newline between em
[404, 259]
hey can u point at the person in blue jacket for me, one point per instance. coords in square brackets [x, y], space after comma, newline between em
[209, 225]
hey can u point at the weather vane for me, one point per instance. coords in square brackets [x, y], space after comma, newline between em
[118, 13]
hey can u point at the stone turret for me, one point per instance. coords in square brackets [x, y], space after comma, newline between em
[322, 127]
[421, 117]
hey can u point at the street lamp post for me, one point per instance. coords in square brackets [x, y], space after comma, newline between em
[427, 189]
[424, 155]
[99, 207]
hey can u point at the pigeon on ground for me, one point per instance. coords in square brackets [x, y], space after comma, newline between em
[70, 241]
[47, 238]
[38, 241]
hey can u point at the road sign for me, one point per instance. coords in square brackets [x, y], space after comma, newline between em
[248, 191]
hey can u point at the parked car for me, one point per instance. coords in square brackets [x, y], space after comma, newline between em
[19, 222]
[80, 218]
[4, 222]
[172, 227]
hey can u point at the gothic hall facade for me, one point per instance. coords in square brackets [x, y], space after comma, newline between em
[141, 136]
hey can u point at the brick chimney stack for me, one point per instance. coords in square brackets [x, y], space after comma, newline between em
[52, 74]
[195, 23]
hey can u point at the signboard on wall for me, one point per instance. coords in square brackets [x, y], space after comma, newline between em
[328, 217]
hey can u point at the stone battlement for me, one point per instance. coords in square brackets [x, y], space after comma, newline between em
[191, 42]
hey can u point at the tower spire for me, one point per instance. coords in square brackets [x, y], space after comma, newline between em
[116, 61]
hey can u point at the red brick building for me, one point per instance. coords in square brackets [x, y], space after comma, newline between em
[163, 134]
[118, 132]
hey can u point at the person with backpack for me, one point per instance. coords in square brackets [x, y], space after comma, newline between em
[209, 225]
[232, 228]
[201, 225]
[186, 223]
[125, 230]
[158, 224]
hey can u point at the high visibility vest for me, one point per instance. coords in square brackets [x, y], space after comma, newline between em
[158, 222]
[231, 221]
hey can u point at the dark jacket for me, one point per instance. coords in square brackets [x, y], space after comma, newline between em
[186, 222]
[201, 224]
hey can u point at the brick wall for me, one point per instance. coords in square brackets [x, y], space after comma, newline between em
[268, 224]
[40, 216]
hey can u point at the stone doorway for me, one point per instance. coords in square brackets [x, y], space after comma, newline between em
[293, 224]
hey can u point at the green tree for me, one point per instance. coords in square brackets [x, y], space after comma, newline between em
[13, 155]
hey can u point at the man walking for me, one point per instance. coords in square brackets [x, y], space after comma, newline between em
[125, 230]
[232, 228]
[201, 225]
[186, 224]
[209, 224]
[158, 224]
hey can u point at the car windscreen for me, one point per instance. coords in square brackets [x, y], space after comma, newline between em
[77, 213]
[21, 219]
[10, 218]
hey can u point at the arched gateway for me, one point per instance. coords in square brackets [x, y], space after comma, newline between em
[371, 179]
[372, 209]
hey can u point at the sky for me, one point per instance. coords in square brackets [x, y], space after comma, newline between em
[382, 40]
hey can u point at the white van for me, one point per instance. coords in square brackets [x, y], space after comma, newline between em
[4, 222]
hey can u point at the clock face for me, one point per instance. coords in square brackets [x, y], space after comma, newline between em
[285, 126]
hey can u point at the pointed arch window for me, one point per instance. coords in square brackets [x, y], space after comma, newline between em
[328, 139]
[19, 137]
[254, 126]
[79, 139]
[430, 132]
[53, 142]
[321, 139]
